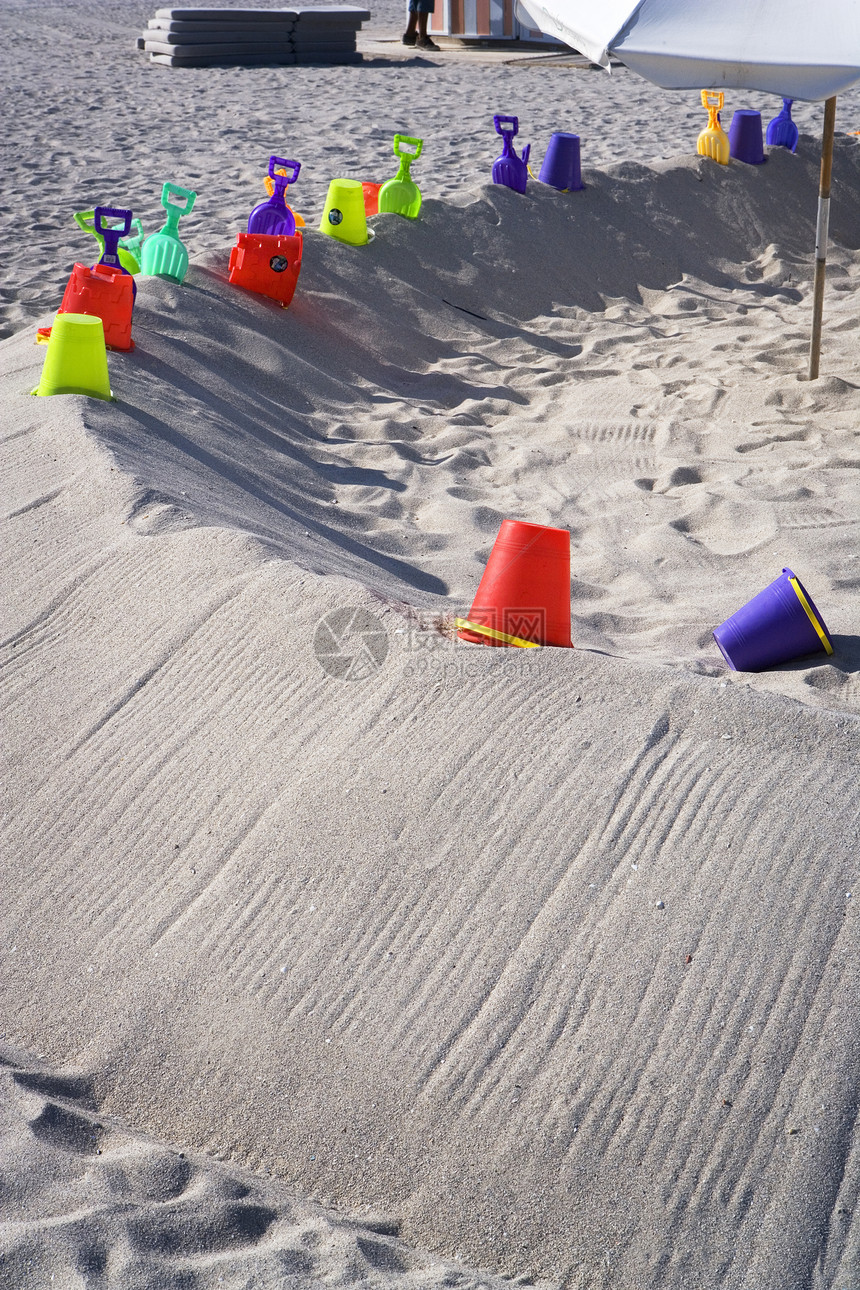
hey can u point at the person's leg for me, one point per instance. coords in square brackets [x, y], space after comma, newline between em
[425, 8]
[410, 35]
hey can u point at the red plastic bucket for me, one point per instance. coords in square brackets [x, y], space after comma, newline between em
[524, 595]
[268, 264]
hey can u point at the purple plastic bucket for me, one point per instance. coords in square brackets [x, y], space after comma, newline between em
[561, 166]
[745, 137]
[781, 623]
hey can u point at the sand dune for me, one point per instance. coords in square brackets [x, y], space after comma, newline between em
[113, 1207]
[544, 961]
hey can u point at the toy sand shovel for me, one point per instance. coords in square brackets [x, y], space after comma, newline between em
[129, 247]
[163, 253]
[270, 188]
[782, 132]
[109, 235]
[713, 142]
[128, 259]
[400, 195]
[508, 168]
[274, 217]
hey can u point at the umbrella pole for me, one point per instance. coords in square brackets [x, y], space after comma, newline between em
[821, 235]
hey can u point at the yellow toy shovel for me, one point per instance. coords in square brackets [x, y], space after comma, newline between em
[713, 142]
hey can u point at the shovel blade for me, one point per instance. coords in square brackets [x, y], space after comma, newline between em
[399, 197]
[714, 144]
[511, 172]
[782, 134]
[164, 257]
[268, 220]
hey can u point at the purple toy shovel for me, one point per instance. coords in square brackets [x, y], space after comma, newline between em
[782, 132]
[111, 236]
[509, 169]
[274, 216]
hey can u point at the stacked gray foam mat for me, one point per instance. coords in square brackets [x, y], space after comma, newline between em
[253, 37]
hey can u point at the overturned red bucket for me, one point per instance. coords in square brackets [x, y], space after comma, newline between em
[523, 599]
[105, 292]
[268, 264]
[370, 193]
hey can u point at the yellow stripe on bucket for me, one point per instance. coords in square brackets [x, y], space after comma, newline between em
[465, 626]
[811, 615]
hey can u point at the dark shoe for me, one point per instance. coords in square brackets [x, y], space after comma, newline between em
[408, 38]
[424, 42]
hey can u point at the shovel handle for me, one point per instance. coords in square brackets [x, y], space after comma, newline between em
[506, 124]
[283, 168]
[102, 213]
[400, 151]
[136, 234]
[86, 220]
[173, 190]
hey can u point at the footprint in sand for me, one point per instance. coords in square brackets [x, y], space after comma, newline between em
[67, 1131]
[70, 1088]
[680, 477]
[726, 528]
[142, 1173]
[180, 1232]
[791, 436]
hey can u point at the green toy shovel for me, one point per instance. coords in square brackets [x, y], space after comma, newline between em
[128, 249]
[163, 253]
[131, 245]
[400, 196]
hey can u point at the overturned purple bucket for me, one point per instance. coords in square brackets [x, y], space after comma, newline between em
[745, 137]
[561, 167]
[781, 623]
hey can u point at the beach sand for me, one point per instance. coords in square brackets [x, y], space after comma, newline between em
[539, 962]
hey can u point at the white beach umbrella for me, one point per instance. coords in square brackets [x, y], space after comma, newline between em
[798, 49]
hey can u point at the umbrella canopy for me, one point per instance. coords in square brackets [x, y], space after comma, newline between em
[794, 48]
